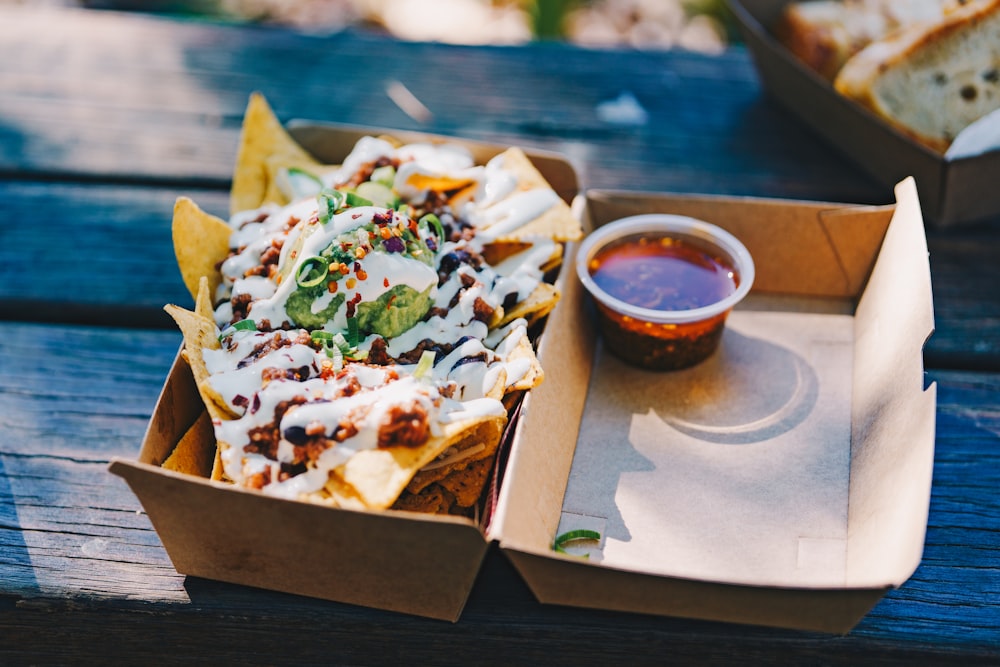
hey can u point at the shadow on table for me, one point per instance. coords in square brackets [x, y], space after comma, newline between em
[14, 556]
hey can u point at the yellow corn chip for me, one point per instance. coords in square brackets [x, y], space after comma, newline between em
[558, 222]
[263, 138]
[200, 333]
[539, 303]
[380, 475]
[190, 456]
[201, 241]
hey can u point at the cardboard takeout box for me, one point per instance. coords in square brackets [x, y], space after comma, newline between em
[783, 482]
[786, 480]
[952, 191]
[414, 563]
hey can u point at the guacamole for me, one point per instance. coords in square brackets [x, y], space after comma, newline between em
[367, 264]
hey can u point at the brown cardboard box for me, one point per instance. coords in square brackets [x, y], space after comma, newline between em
[952, 191]
[412, 563]
[785, 481]
[819, 373]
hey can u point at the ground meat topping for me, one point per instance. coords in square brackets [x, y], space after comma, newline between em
[404, 426]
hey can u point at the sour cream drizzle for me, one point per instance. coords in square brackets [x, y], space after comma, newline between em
[256, 372]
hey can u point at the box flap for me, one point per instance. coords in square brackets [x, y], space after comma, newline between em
[893, 416]
[809, 248]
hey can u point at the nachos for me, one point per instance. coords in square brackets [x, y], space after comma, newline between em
[361, 329]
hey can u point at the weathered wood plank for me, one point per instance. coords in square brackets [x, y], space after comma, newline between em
[151, 99]
[72, 534]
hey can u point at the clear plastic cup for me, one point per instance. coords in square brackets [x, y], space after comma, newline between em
[663, 286]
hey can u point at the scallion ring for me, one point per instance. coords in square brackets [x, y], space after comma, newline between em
[322, 270]
[572, 536]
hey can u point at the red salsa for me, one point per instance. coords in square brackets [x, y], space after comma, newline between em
[662, 273]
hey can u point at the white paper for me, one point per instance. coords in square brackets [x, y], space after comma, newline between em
[980, 137]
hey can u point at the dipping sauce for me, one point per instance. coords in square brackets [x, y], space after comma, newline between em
[662, 273]
[663, 286]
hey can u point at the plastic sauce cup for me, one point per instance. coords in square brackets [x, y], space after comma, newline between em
[663, 286]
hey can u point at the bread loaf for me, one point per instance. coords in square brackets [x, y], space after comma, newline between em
[823, 34]
[930, 81]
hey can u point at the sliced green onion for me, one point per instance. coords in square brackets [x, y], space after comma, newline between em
[353, 333]
[431, 220]
[322, 267]
[242, 325]
[572, 536]
[337, 347]
[330, 201]
[425, 365]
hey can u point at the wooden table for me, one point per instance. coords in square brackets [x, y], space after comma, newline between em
[105, 119]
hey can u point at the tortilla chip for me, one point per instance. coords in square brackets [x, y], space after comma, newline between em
[201, 241]
[538, 304]
[200, 333]
[534, 375]
[558, 222]
[190, 456]
[432, 500]
[262, 138]
[467, 484]
[380, 475]
[424, 478]
[339, 493]
[203, 300]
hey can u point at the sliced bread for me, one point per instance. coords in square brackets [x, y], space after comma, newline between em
[823, 34]
[931, 80]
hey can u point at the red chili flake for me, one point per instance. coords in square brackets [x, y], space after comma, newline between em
[388, 304]
[362, 274]
[332, 287]
[385, 282]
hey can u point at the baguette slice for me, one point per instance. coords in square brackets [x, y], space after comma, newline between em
[930, 81]
[823, 34]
